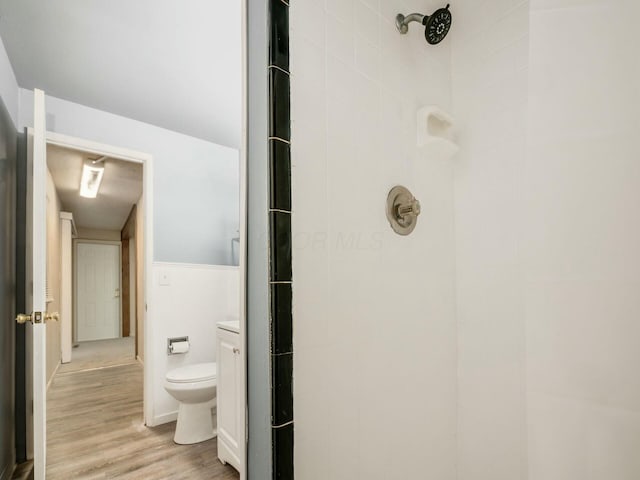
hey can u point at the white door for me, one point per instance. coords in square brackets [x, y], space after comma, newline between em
[98, 291]
[36, 258]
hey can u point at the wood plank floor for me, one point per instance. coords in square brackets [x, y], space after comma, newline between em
[95, 431]
[101, 353]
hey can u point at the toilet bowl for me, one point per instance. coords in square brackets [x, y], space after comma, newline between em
[194, 386]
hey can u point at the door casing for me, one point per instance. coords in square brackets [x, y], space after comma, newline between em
[145, 294]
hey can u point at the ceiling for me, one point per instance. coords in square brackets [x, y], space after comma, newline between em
[120, 189]
[174, 64]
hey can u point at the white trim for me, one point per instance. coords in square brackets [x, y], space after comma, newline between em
[166, 418]
[146, 160]
[196, 265]
[69, 216]
[55, 370]
[76, 241]
[242, 250]
[38, 278]
[74, 143]
[67, 228]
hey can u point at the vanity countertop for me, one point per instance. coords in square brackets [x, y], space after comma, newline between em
[232, 326]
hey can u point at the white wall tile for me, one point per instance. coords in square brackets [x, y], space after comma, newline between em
[367, 58]
[530, 330]
[340, 39]
[489, 95]
[379, 342]
[367, 23]
[582, 262]
[307, 20]
[341, 9]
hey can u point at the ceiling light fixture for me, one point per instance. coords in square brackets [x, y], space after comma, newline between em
[92, 173]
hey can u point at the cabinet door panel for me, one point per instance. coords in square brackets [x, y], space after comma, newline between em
[228, 388]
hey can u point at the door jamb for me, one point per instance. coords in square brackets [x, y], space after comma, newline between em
[242, 251]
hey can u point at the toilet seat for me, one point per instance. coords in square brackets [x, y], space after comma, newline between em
[198, 372]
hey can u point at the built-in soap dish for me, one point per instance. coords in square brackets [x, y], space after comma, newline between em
[436, 132]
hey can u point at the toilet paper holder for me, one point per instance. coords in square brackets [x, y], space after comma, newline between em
[170, 344]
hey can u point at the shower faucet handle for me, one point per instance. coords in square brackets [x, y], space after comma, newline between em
[402, 210]
[409, 209]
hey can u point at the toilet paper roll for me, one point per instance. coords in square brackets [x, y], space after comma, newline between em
[180, 347]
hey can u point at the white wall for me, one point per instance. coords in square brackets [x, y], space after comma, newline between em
[489, 77]
[8, 85]
[196, 183]
[197, 297]
[374, 325]
[582, 238]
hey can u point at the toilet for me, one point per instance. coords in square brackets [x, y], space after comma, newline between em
[194, 386]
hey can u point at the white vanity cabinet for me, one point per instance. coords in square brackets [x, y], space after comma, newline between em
[229, 393]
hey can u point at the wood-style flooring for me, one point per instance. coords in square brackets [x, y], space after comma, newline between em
[95, 431]
[101, 353]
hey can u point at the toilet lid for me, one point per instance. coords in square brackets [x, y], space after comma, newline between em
[198, 372]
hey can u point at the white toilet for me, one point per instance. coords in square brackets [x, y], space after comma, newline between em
[194, 386]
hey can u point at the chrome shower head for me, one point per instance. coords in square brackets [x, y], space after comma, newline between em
[436, 25]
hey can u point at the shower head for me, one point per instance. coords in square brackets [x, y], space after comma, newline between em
[436, 25]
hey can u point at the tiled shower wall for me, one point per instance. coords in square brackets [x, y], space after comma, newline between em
[374, 325]
[582, 234]
[544, 192]
[489, 79]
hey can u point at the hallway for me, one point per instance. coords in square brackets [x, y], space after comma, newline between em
[101, 353]
[95, 431]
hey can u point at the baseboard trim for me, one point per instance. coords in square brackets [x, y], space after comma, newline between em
[165, 418]
[140, 361]
[53, 375]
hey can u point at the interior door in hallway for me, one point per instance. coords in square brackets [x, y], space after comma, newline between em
[98, 291]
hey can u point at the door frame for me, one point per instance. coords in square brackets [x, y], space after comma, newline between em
[76, 242]
[146, 160]
[242, 250]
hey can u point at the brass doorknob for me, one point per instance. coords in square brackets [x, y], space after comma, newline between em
[23, 318]
[52, 316]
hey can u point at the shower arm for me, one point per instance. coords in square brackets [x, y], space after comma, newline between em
[403, 22]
